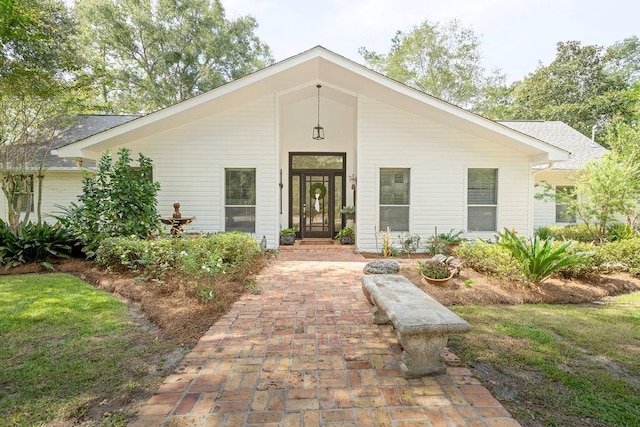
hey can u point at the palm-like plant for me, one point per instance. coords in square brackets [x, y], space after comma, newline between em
[540, 258]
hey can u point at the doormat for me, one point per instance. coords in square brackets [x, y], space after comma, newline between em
[316, 242]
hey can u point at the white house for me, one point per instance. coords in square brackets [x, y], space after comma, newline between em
[242, 156]
[557, 175]
[63, 177]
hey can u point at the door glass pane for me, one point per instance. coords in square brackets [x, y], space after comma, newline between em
[317, 162]
[317, 203]
[295, 202]
[337, 204]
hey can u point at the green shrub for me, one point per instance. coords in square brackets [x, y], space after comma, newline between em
[34, 242]
[539, 259]
[577, 232]
[489, 258]
[544, 233]
[626, 252]
[619, 232]
[434, 269]
[119, 201]
[199, 260]
[585, 267]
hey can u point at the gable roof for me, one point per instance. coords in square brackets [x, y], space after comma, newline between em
[562, 135]
[305, 70]
[81, 127]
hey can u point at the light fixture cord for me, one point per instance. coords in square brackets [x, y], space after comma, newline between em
[318, 86]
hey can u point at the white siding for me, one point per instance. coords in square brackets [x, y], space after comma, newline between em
[189, 163]
[438, 156]
[59, 189]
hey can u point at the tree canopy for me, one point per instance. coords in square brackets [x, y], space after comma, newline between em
[148, 55]
[443, 60]
[576, 88]
[37, 61]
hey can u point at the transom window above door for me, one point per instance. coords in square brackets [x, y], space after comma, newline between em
[317, 161]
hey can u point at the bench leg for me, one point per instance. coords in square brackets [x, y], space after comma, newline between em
[379, 316]
[421, 355]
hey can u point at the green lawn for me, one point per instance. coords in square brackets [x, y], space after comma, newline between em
[559, 364]
[68, 350]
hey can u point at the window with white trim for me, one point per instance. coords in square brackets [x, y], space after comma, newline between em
[240, 200]
[394, 199]
[23, 197]
[564, 195]
[482, 199]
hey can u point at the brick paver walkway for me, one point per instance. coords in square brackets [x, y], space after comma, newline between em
[305, 353]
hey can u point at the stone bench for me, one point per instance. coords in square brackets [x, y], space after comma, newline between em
[421, 323]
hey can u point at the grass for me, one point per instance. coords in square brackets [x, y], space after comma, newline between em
[559, 365]
[67, 349]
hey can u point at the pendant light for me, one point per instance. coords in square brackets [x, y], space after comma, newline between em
[318, 131]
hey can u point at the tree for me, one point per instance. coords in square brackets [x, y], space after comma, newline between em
[152, 54]
[625, 59]
[578, 88]
[37, 55]
[443, 60]
[606, 187]
[120, 200]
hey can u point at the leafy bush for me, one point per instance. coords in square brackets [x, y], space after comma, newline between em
[33, 242]
[199, 260]
[410, 243]
[539, 259]
[587, 266]
[119, 201]
[434, 269]
[619, 232]
[578, 232]
[442, 242]
[121, 253]
[489, 258]
[626, 252]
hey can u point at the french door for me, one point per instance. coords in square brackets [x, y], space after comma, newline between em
[317, 193]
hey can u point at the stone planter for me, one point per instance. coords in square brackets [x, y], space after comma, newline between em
[346, 240]
[287, 239]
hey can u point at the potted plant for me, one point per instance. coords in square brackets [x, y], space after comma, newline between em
[287, 236]
[347, 236]
[435, 272]
[349, 212]
[444, 243]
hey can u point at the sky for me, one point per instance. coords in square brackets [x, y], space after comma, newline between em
[515, 35]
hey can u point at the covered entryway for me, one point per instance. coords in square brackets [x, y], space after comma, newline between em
[317, 193]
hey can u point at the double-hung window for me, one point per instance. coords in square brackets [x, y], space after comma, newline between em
[240, 200]
[482, 199]
[23, 197]
[564, 195]
[394, 199]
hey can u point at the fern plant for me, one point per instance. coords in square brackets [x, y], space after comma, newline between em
[539, 258]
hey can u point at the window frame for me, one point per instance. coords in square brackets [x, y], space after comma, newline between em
[32, 193]
[574, 196]
[393, 176]
[495, 205]
[255, 201]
